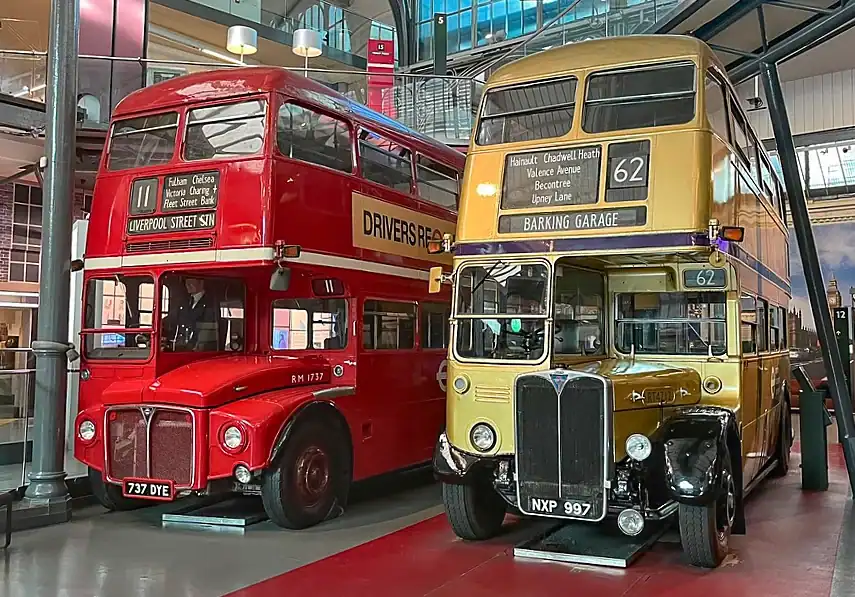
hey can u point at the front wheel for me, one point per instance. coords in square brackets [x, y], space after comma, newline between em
[705, 530]
[308, 483]
[109, 495]
[476, 512]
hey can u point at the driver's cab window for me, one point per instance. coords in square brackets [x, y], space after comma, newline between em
[201, 314]
[309, 324]
[579, 312]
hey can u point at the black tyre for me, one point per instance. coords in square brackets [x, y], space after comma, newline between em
[476, 512]
[705, 530]
[110, 496]
[309, 481]
[785, 442]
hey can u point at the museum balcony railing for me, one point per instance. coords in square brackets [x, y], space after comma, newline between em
[438, 106]
[17, 408]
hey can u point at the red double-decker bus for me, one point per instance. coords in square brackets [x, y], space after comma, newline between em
[255, 313]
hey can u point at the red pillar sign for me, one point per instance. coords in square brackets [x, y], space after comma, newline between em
[381, 59]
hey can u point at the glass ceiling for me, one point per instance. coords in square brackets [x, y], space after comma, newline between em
[827, 170]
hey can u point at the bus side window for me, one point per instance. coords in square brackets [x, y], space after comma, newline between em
[437, 182]
[300, 324]
[308, 136]
[785, 330]
[385, 162]
[740, 134]
[388, 325]
[717, 108]
[762, 326]
[749, 324]
[433, 325]
[775, 342]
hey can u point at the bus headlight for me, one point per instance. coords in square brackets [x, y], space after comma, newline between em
[638, 447]
[461, 384]
[233, 438]
[86, 430]
[483, 437]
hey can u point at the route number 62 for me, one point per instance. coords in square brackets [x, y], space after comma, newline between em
[629, 170]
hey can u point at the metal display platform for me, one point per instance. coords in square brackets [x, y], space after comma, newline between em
[232, 515]
[591, 544]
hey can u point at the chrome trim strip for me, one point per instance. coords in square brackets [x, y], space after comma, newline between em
[155, 407]
[334, 392]
[608, 459]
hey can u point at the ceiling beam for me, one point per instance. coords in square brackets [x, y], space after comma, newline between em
[729, 17]
[21, 114]
[810, 35]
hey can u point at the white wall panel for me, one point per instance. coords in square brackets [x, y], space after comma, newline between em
[814, 104]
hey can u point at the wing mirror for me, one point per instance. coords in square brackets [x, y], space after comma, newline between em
[280, 280]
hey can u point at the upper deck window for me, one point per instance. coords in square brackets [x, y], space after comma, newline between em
[540, 111]
[309, 136]
[641, 97]
[438, 183]
[143, 141]
[385, 162]
[223, 131]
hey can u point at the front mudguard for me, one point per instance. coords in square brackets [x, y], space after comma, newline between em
[456, 467]
[695, 448]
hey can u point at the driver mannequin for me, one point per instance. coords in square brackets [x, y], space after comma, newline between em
[197, 320]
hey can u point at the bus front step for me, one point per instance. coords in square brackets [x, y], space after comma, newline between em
[233, 515]
[590, 544]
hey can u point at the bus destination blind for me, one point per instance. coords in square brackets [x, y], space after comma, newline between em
[596, 219]
[187, 202]
[193, 190]
[172, 223]
[552, 178]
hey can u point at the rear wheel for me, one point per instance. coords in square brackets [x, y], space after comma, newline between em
[785, 442]
[705, 530]
[476, 512]
[110, 496]
[308, 482]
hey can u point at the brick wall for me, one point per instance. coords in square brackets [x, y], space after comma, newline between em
[6, 209]
[6, 192]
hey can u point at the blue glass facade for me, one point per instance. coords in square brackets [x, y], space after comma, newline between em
[477, 23]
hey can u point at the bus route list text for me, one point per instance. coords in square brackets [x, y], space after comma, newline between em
[189, 192]
[550, 165]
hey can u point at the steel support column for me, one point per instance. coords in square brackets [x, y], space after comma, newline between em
[810, 261]
[47, 479]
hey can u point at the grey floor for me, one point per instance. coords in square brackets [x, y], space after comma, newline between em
[128, 554]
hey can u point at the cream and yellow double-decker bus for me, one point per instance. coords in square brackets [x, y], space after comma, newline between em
[620, 286]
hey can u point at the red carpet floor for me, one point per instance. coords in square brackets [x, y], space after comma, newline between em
[789, 551]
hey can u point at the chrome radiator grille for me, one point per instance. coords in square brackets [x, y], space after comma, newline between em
[150, 443]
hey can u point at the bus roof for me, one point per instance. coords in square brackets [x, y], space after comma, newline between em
[599, 54]
[235, 82]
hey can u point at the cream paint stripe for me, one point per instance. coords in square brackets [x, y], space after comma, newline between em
[251, 254]
[362, 266]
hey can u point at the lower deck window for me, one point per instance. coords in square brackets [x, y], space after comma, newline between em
[201, 313]
[672, 323]
[301, 324]
[118, 317]
[388, 325]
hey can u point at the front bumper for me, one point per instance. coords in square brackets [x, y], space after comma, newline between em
[454, 466]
